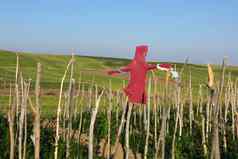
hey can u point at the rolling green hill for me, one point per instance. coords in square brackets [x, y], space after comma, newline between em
[87, 69]
[90, 68]
[54, 66]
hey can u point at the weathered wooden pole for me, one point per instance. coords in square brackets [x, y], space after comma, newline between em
[216, 101]
[11, 121]
[148, 121]
[128, 130]
[109, 116]
[91, 129]
[120, 128]
[59, 110]
[37, 112]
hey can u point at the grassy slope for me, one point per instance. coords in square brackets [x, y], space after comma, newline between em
[54, 67]
[88, 67]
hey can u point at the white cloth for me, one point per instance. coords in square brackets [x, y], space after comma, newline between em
[174, 74]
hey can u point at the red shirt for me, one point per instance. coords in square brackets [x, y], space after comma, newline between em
[138, 69]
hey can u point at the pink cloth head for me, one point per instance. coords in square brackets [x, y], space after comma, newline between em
[141, 52]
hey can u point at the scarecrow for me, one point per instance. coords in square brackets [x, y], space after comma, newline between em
[135, 90]
[138, 69]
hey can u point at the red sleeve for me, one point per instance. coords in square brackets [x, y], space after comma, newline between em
[121, 70]
[125, 69]
[166, 65]
[151, 66]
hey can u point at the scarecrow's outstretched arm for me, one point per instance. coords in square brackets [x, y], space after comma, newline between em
[125, 69]
[162, 67]
[151, 66]
[168, 67]
[120, 70]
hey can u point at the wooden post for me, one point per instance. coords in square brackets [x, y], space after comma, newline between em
[11, 121]
[155, 98]
[109, 121]
[148, 121]
[215, 101]
[25, 92]
[37, 112]
[161, 141]
[69, 109]
[93, 118]
[177, 105]
[190, 102]
[59, 110]
[128, 130]
[204, 137]
[21, 120]
[120, 128]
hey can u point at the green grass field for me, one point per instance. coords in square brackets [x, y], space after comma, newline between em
[90, 68]
[87, 69]
[54, 66]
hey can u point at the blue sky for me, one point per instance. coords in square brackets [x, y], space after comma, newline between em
[204, 30]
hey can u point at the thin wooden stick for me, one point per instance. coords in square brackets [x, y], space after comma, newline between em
[21, 120]
[148, 121]
[216, 100]
[93, 118]
[120, 128]
[109, 116]
[11, 120]
[190, 102]
[69, 107]
[204, 137]
[59, 110]
[128, 130]
[177, 104]
[37, 112]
